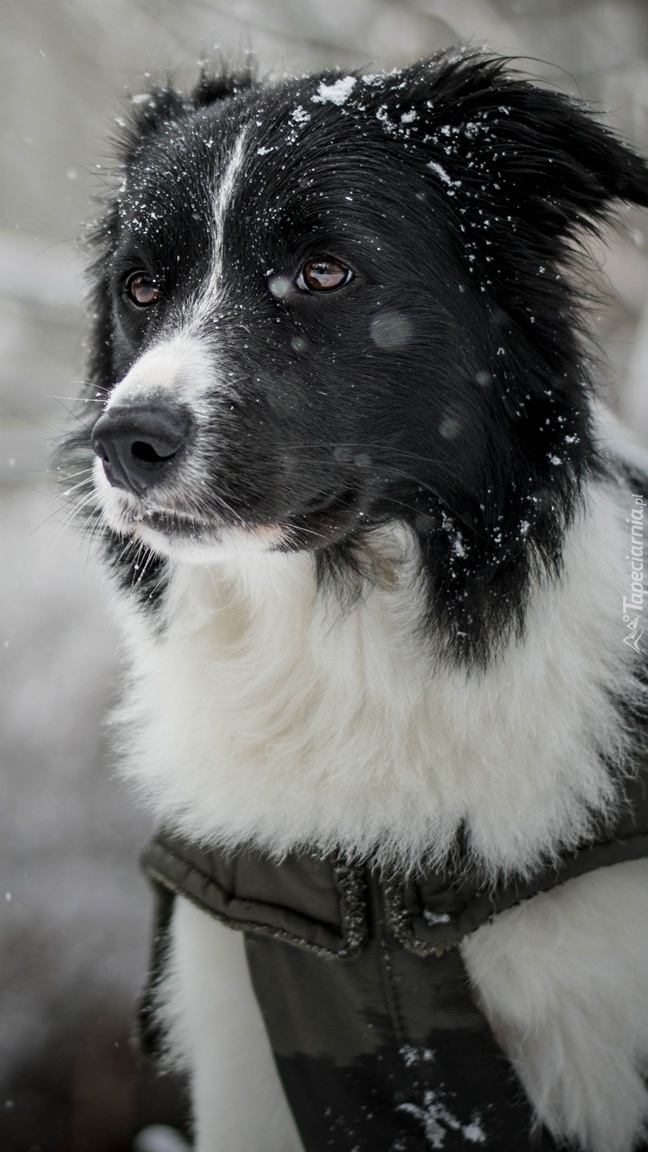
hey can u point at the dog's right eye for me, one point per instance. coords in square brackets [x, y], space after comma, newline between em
[323, 275]
[141, 289]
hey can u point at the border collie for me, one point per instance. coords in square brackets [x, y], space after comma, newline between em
[378, 558]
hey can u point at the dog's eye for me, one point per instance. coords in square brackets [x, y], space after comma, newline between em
[141, 289]
[323, 276]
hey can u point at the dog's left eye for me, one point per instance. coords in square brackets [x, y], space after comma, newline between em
[141, 289]
[323, 275]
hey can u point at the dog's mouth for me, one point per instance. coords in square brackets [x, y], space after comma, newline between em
[171, 522]
[320, 521]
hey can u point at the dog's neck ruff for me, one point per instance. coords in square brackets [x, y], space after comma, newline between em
[263, 714]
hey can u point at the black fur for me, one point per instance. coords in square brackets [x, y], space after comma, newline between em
[445, 385]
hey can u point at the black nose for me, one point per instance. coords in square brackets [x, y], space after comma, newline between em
[140, 444]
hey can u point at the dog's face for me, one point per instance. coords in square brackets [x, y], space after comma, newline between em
[283, 291]
[341, 301]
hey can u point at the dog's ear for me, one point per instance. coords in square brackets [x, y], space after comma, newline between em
[148, 113]
[163, 104]
[220, 83]
[499, 142]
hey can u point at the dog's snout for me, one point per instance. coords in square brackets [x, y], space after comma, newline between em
[139, 445]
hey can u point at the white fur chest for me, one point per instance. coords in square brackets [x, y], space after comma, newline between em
[265, 712]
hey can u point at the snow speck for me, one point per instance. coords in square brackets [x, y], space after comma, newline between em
[264, 151]
[300, 115]
[409, 117]
[142, 98]
[437, 1121]
[412, 1055]
[435, 917]
[555, 460]
[474, 1133]
[440, 171]
[336, 93]
[383, 115]
[8, 897]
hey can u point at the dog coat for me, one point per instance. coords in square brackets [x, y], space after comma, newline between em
[376, 1036]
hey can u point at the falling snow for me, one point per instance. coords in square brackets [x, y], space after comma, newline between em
[390, 329]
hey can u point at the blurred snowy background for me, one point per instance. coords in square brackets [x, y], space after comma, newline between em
[74, 913]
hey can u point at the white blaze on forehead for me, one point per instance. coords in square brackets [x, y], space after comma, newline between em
[227, 183]
[231, 170]
[183, 365]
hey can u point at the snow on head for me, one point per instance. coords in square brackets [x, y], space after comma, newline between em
[474, 1132]
[300, 115]
[336, 93]
[441, 172]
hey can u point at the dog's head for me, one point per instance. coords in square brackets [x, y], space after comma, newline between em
[339, 301]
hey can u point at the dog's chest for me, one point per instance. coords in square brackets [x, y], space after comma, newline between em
[264, 712]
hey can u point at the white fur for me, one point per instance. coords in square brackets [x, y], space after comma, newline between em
[182, 365]
[202, 311]
[217, 1033]
[264, 712]
[563, 980]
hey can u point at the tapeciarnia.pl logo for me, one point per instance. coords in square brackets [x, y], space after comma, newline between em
[633, 607]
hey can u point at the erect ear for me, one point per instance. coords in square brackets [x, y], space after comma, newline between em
[163, 104]
[220, 83]
[532, 154]
[148, 113]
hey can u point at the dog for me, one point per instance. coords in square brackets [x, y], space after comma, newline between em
[377, 552]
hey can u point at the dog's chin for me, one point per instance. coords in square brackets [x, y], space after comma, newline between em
[201, 542]
[210, 546]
